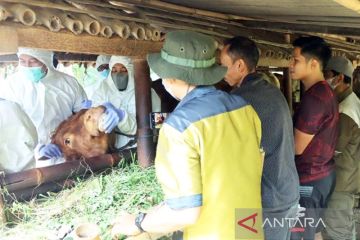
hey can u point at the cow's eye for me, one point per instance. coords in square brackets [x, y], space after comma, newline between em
[67, 141]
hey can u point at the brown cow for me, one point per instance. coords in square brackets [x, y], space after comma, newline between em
[79, 136]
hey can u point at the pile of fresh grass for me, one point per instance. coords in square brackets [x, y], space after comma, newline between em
[98, 199]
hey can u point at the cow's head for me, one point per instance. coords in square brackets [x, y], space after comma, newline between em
[79, 135]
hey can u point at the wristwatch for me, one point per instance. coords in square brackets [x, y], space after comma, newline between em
[138, 220]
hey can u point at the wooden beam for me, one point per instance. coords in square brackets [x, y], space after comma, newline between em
[210, 20]
[184, 19]
[60, 56]
[38, 37]
[10, 58]
[3, 219]
[304, 28]
[9, 40]
[266, 62]
[177, 8]
[75, 57]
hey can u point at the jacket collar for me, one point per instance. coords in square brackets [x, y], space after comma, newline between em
[341, 97]
[249, 79]
[196, 93]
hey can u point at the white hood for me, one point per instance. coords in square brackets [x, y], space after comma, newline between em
[43, 56]
[102, 59]
[127, 62]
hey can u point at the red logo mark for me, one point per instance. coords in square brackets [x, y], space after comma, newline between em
[242, 221]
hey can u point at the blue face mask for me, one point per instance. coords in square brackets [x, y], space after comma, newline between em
[34, 74]
[104, 73]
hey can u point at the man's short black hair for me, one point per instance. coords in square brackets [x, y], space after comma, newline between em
[244, 48]
[314, 47]
[347, 79]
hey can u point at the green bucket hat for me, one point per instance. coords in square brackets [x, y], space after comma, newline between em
[188, 56]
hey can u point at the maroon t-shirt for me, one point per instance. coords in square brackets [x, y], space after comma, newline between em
[318, 114]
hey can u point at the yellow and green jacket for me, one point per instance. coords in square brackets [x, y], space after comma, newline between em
[209, 155]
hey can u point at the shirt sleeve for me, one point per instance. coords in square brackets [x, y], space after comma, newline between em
[178, 168]
[346, 128]
[7, 90]
[311, 115]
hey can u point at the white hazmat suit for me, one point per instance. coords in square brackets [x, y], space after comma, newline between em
[125, 100]
[49, 102]
[18, 138]
[93, 78]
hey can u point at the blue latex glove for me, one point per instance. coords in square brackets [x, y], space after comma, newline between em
[86, 104]
[111, 118]
[50, 151]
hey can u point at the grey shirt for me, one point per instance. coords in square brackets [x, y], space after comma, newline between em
[280, 181]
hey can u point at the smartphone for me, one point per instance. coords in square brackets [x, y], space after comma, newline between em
[157, 119]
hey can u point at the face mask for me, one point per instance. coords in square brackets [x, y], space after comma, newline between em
[120, 80]
[104, 73]
[330, 82]
[90, 78]
[34, 74]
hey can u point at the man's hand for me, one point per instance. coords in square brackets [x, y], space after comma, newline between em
[158, 221]
[124, 224]
[48, 151]
[112, 117]
[86, 104]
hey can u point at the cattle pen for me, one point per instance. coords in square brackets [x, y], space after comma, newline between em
[46, 203]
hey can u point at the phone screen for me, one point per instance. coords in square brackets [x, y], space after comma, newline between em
[157, 119]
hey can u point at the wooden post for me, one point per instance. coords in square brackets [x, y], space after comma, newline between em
[288, 88]
[2, 210]
[145, 144]
[37, 176]
[2, 202]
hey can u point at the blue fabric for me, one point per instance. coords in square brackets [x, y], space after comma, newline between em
[104, 73]
[187, 113]
[184, 202]
[50, 151]
[280, 181]
[86, 104]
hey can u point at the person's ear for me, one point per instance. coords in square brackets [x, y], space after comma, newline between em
[339, 79]
[314, 64]
[240, 64]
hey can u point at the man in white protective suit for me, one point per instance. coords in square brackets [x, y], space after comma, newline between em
[18, 138]
[96, 75]
[117, 94]
[46, 95]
